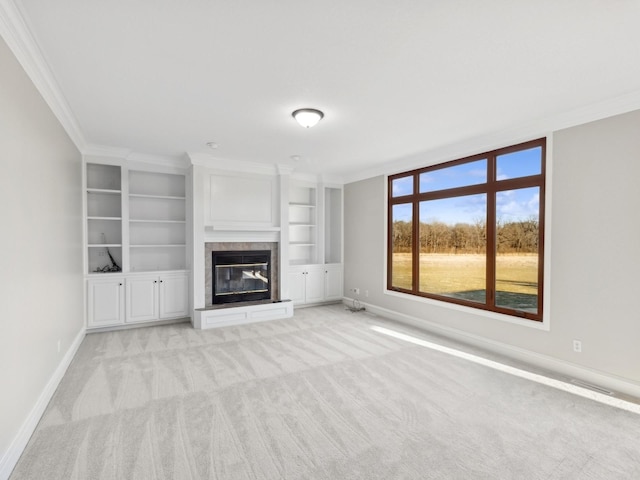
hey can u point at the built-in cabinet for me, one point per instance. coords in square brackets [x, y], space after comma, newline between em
[105, 301]
[315, 243]
[333, 282]
[311, 284]
[306, 284]
[152, 297]
[136, 252]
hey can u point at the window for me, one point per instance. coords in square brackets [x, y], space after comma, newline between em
[471, 231]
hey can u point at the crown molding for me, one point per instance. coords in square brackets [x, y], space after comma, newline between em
[106, 151]
[284, 169]
[164, 160]
[329, 179]
[131, 157]
[534, 129]
[15, 32]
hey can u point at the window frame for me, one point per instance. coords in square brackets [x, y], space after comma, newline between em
[491, 187]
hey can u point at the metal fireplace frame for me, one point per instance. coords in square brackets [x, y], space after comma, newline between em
[236, 259]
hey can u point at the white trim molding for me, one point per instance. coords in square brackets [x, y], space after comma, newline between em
[551, 364]
[12, 455]
[16, 33]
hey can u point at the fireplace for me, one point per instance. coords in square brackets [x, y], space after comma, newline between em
[241, 276]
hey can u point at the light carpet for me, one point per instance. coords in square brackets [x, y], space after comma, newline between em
[319, 396]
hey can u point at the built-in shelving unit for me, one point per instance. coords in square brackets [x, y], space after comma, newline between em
[157, 221]
[315, 242]
[152, 230]
[104, 218]
[303, 222]
[136, 224]
[332, 225]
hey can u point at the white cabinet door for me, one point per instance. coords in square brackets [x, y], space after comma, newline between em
[297, 284]
[173, 296]
[333, 281]
[142, 298]
[105, 301]
[314, 284]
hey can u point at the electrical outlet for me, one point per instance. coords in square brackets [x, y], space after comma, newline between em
[58, 346]
[366, 293]
[577, 346]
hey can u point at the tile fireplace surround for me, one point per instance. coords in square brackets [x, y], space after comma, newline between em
[240, 246]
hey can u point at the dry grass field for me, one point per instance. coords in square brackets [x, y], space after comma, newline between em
[463, 276]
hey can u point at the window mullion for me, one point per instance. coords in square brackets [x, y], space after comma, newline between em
[415, 259]
[491, 232]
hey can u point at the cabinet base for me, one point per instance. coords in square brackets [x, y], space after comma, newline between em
[204, 318]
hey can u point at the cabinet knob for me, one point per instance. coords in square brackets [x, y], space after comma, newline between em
[161, 281]
[155, 281]
[120, 284]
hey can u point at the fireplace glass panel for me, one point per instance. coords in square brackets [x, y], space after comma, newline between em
[240, 277]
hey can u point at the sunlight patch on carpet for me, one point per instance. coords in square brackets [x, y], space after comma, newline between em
[550, 382]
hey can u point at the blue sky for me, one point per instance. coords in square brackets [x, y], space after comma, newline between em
[512, 205]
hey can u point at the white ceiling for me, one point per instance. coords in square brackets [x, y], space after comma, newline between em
[394, 78]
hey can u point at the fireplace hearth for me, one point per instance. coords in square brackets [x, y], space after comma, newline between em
[241, 276]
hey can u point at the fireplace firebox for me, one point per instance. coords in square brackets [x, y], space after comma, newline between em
[241, 276]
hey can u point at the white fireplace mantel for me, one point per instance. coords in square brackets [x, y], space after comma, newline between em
[241, 233]
[244, 202]
[236, 206]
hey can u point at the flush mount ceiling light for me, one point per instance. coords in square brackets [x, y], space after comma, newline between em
[307, 117]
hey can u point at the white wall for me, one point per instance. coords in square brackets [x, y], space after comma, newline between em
[595, 256]
[40, 252]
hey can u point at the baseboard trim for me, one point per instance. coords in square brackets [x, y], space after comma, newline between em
[13, 453]
[554, 365]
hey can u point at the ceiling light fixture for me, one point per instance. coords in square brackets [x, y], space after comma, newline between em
[307, 117]
[212, 145]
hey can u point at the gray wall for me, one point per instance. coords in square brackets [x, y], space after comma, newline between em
[40, 246]
[595, 254]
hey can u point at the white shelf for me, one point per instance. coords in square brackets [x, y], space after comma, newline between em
[156, 197]
[136, 220]
[104, 191]
[156, 209]
[145, 184]
[105, 218]
[302, 205]
[240, 228]
[302, 225]
[97, 245]
[302, 244]
[160, 245]
[103, 178]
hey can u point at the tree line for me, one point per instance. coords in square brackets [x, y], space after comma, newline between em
[438, 237]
